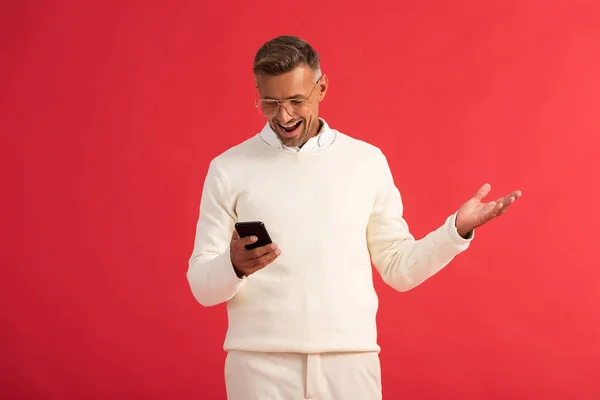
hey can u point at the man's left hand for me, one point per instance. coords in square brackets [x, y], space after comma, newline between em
[475, 212]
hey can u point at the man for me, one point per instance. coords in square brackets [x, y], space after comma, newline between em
[302, 310]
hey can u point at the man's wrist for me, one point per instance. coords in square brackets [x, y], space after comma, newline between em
[466, 235]
[464, 232]
[239, 273]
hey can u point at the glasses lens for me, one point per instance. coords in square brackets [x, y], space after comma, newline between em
[268, 108]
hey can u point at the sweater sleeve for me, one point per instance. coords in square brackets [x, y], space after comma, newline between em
[210, 273]
[402, 261]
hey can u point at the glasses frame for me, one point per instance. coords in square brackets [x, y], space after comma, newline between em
[287, 102]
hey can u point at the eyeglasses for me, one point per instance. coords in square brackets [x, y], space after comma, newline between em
[269, 108]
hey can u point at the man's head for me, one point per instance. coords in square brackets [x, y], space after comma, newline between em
[290, 85]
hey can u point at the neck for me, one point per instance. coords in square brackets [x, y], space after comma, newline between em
[314, 133]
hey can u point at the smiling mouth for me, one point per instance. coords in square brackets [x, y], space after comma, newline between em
[289, 129]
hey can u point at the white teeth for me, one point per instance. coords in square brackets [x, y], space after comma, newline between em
[289, 126]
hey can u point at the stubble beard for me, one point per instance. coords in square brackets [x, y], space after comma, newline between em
[308, 131]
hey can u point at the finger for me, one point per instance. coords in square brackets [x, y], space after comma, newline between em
[494, 211]
[506, 200]
[247, 240]
[235, 235]
[515, 195]
[259, 251]
[510, 198]
[241, 243]
[249, 264]
[490, 211]
[266, 259]
[483, 191]
[507, 204]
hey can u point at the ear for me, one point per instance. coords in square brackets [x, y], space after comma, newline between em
[323, 86]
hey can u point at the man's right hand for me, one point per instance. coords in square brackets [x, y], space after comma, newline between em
[246, 262]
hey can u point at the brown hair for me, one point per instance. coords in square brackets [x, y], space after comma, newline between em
[284, 53]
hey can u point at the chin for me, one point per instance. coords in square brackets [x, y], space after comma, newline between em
[290, 142]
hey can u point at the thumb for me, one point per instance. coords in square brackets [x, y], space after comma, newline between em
[482, 192]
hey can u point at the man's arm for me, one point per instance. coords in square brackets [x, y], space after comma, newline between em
[402, 261]
[210, 274]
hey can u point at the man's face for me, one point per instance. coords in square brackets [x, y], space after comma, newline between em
[297, 120]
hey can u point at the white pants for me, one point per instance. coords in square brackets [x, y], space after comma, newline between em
[292, 376]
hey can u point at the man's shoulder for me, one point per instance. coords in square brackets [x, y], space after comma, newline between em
[360, 146]
[235, 153]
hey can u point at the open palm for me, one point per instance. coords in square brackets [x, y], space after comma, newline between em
[475, 212]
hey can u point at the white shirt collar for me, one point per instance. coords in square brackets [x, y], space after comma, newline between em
[320, 141]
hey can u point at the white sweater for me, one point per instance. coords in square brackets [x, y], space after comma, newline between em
[332, 212]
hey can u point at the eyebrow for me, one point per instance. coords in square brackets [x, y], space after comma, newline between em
[296, 96]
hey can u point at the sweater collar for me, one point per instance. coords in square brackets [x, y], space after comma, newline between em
[320, 141]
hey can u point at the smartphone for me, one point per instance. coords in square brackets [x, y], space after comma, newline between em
[256, 228]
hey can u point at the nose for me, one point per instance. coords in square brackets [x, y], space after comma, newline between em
[283, 114]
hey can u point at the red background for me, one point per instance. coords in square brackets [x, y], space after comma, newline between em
[111, 111]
